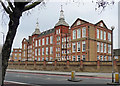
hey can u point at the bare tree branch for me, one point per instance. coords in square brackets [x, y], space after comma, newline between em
[5, 8]
[28, 7]
[10, 4]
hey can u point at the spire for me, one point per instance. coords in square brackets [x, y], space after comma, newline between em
[61, 13]
[61, 19]
[37, 31]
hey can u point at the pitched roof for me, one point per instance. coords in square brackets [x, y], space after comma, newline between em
[46, 32]
[102, 22]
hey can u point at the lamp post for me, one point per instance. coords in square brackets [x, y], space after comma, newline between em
[112, 28]
[3, 36]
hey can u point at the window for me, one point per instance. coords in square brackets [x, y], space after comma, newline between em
[109, 48]
[39, 42]
[83, 46]
[67, 39]
[51, 58]
[42, 58]
[19, 54]
[97, 33]
[73, 47]
[56, 31]
[35, 52]
[59, 30]
[51, 39]
[83, 57]
[15, 58]
[47, 40]
[101, 36]
[39, 51]
[105, 58]
[101, 58]
[46, 58]
[15, 54]
[78, 58]
[84, 32]
[104, 35]
[109, 58]
[43, 41]
[98, 46]
[36, 43]
[43, 51]
[74, 34]
[104, 48]
[101, 47]
[38, 59]
[78, 33]
[24, 53]
[51, 50]
[101, 24]
[46, 50]
[20, 58]
[73, 58]
[78, 46]
[109, 36]
[116, 57]
[98, 58]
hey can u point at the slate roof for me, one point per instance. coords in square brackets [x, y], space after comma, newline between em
[47, 32]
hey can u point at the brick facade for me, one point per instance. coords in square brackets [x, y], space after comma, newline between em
[80, 41]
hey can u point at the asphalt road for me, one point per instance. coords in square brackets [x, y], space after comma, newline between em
[38, 79]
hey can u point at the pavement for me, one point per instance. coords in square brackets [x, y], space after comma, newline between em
[88, 74]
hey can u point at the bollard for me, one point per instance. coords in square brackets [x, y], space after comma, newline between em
[73, 75]
[116, 77]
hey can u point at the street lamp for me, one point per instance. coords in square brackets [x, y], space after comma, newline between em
[3, 36]
[112, 28]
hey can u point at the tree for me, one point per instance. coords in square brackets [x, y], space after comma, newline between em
[14, 10]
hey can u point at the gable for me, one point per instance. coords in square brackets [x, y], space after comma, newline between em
[24, 40]
[79, 22]
[101, 24]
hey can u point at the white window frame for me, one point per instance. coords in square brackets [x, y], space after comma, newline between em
[73, 47]
[98, 47]
[101, 47]
[74, 58]
[78, 46]
[104, 35]
[83, 47]
[39, 51]
[83, 57]
[109, 36]
[78, 33]
[74, 34]
[35, 52]
[43, 51]
[51, 50]
[104, 48]
[39, 42]
[84, 32]
[78, 58]
[43, 41]
[46, 50]
[51, 39]
[101, 34]
[98, 33]
[47, 40]
[109, 48]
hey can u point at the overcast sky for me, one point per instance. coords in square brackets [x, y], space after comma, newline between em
[48, 16]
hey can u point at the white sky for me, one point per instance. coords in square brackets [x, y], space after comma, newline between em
[48, 16]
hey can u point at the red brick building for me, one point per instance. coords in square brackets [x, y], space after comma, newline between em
[80, 41]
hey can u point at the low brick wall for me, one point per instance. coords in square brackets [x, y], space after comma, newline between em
[82, 66]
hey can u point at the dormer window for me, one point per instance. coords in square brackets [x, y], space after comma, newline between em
[78, 22]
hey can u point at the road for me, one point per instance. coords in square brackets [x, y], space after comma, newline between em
[38, 79]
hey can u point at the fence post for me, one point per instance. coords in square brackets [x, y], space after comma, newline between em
[44, 64]
[115, 65]
[34, 64]
[98, 64]
[55, 64]
[68, 62]
[81, 64]
[25, 64]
